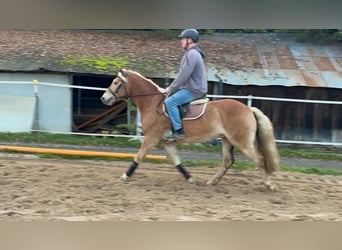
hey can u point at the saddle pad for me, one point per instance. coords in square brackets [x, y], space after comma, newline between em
[196, 109]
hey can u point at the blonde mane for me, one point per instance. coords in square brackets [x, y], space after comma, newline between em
[143, 77]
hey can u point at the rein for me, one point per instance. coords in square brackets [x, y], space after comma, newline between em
[123, 84]
[158, 93]
[114, 93]
[159, 103]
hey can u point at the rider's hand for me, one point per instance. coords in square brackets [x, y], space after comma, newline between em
[164, 91]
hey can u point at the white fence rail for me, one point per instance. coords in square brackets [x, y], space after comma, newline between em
[249, 99]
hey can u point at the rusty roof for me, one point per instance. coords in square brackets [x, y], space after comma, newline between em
[234, 58]
[282, 61]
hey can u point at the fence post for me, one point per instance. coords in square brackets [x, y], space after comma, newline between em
[37, 122]
[35, 89]
[138, 129]
[249, 100]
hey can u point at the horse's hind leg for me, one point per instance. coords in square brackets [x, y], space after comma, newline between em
[255, 155]
[228, 161]
[172, 152]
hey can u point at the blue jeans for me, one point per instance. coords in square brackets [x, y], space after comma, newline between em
[172, 102]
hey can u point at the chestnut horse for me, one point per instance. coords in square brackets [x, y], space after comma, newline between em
[235, 123]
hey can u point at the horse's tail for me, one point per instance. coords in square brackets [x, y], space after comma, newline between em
[266, 141]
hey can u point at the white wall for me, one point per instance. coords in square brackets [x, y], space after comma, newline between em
[54, 104]
[17, 113]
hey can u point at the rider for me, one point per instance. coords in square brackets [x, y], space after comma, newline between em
[190, 82]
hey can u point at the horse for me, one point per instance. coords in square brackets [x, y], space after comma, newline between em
[236, 124]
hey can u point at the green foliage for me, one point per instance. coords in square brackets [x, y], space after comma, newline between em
[102, 63]
[129, 128]
[130, 105]
[112, 65]
[147, 65]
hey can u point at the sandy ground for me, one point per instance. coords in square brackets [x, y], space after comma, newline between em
[33, 189]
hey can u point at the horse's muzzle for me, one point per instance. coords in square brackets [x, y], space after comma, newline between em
[107, 99]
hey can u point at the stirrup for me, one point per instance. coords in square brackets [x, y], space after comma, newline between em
[175, 135]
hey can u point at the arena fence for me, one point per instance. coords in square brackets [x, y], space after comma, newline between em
[138, 136]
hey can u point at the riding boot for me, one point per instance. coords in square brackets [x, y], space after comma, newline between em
[176, 134]
[179, 134]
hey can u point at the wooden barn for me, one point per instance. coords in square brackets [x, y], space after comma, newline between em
[279, 66]
[261, 65]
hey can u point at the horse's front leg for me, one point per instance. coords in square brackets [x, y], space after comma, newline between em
[172, 152]
[147, 144]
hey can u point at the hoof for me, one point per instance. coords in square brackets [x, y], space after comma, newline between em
[274, 188]
[271, 186]
[191, 180]
[123, 177]
[212, 182]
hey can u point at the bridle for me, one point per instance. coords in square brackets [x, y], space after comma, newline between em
[123, 83]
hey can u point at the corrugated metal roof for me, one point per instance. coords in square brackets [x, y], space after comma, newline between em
[284, 62]
[235, 58]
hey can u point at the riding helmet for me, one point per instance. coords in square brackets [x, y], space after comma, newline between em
[190, 33]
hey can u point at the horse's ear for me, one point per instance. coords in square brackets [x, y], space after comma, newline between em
[124, 72]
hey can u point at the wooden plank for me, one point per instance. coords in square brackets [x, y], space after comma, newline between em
[109, 117]
[99, 116]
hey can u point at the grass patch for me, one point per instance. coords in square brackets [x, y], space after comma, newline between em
[301, 153]
[48, 138]
[318, 171]
[37, 137]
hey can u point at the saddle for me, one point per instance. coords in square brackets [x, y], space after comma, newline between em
[192, 110]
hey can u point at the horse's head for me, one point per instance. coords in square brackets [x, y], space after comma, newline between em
[117, 89]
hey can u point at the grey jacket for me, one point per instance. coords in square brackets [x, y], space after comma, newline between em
[191, 75]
